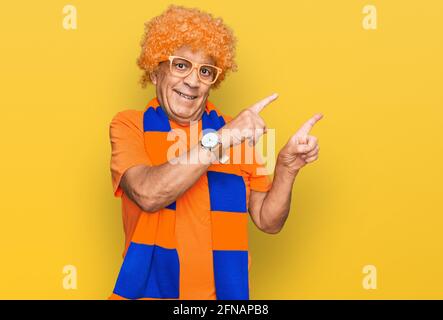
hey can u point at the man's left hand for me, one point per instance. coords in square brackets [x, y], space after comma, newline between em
[301, 148]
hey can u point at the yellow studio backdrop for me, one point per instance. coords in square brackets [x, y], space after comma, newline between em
[372, 199]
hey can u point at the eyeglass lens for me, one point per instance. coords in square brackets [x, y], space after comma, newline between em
[183, 67]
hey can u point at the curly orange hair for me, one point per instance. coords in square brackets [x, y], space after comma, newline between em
[179, 26]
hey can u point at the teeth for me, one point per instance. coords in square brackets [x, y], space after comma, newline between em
[186, 96]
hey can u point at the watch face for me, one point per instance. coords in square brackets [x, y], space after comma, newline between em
[210, 140]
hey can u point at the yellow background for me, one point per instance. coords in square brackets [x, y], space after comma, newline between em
[373, 197]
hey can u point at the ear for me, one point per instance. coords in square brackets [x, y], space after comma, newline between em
[153, 76]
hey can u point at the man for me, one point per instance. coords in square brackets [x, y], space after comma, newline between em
[186, 222]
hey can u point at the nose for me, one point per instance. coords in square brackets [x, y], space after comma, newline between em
[192, 79]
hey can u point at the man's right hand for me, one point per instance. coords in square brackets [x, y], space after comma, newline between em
[246, 125]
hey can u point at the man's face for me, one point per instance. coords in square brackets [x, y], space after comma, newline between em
[168, 88]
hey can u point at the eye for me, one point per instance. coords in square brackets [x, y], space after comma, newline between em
[206, 72]
[180, 66]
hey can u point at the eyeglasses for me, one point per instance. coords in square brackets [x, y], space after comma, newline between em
[182, 67]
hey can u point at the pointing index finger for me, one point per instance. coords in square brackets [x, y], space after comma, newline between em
[259, 106]
[307, 126]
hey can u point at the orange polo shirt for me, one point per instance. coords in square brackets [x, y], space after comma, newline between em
[193, 229]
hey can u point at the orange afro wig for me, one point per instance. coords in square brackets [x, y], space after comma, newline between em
[179, 26]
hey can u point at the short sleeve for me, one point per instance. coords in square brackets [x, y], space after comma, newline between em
[127, 144]
[259, 177]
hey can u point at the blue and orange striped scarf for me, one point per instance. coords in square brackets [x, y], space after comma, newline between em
[151, 267]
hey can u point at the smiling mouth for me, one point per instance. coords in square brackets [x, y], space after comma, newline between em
[185, 95]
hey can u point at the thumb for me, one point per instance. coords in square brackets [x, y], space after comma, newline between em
[302, 139]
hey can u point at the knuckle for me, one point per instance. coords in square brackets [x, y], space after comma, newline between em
[248, 112]
[243, 114]
[299, 149]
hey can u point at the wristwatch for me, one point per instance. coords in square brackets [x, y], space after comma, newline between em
[210, 141]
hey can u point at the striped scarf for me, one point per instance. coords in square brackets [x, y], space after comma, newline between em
[151, 267]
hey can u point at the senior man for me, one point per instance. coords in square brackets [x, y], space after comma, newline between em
[186, 222]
